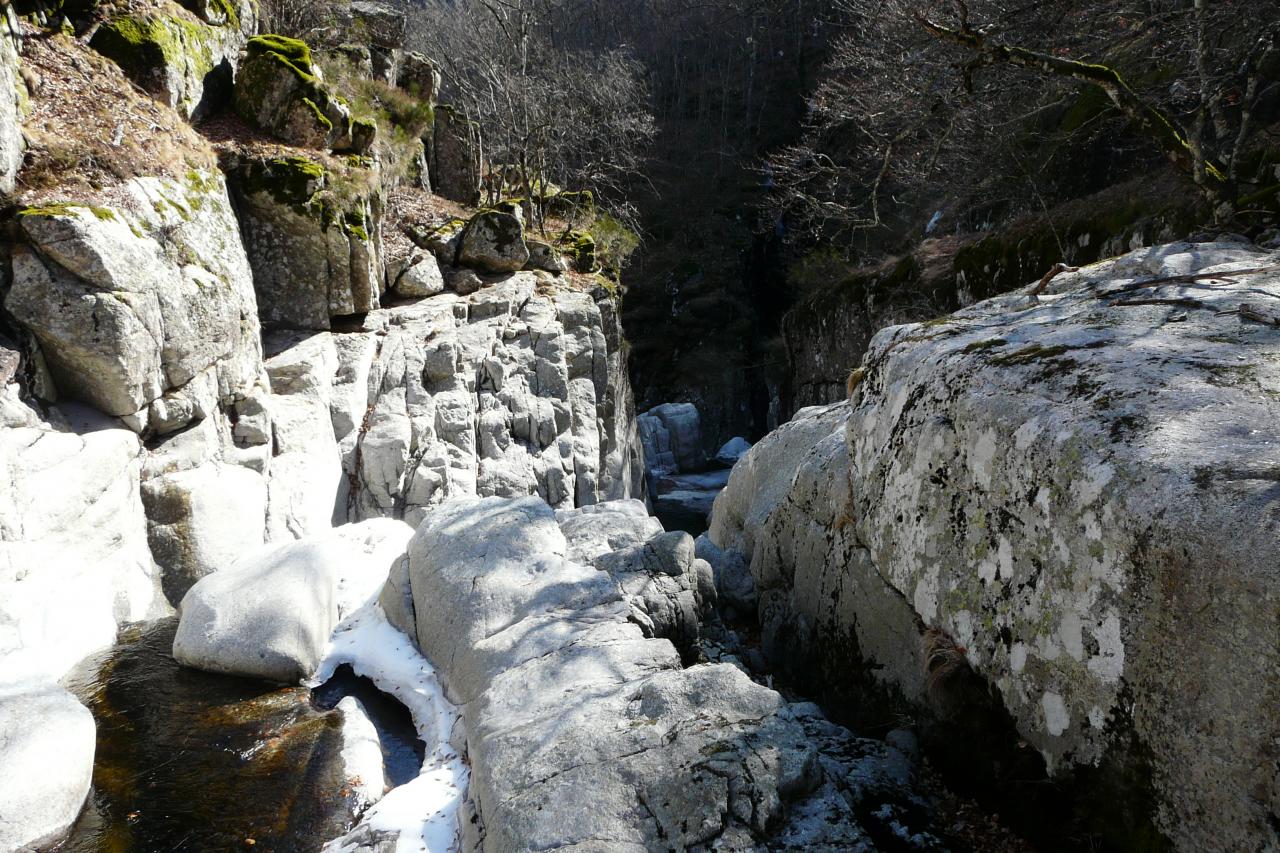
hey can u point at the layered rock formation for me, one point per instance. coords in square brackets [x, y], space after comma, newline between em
[1048, 484]
[514, 390]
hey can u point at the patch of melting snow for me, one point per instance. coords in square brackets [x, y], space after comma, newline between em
[424, 811]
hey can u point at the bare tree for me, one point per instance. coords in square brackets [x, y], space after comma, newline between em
[923, 98]
[551, 112]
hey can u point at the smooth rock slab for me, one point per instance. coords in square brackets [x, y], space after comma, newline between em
[47, 742]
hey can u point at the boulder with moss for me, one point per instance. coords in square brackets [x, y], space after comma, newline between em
[455, 162]
[181, 61]
[493, 242]
[580, 248]
[144, 311]
[281, 90]
[313, 235]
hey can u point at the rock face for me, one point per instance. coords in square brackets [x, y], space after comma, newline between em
[314, 240]
[455, 163]
[672, 436]
[646, 755]
[271, 615]
[1048, 483]
[183, 63]
[383, 27]
[201, 519]
[46, 765]
[73, 547]
[148, 313]
[506, 392]
[11, 96]
[420, 77]
[280, 90]
[305, 487]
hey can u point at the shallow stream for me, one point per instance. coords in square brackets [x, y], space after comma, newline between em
[190, 761]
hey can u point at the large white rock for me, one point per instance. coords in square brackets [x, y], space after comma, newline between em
[1072, 488]
[200, 520]
[74, 561]
[146, 311]
[47, 742]
[583, 732]
[271, 615]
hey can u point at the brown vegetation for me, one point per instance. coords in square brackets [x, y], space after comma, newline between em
[91, 129]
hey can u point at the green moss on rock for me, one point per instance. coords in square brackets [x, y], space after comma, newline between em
[293, 52]
[293, 181]
[144, 45]
[104, 214]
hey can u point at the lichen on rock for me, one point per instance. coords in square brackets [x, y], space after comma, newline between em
[1046, 481]
[493, 241]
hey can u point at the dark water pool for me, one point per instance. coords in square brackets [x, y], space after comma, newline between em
[402, 752]
[190, 761]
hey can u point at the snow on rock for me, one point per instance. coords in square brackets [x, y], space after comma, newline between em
[271, 614]
[583, 731]
[361, 752]
[423, 813]
[47, 742]
[1074, 488]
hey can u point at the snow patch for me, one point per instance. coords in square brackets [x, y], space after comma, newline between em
[423, 812]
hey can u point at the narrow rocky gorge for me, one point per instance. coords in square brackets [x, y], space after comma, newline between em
[281, 407]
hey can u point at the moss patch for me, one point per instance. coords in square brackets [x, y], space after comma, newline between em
[143, 45]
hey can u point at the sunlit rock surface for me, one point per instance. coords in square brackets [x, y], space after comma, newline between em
[1075, 489]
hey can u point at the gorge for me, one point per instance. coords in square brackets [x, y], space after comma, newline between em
[329, 522]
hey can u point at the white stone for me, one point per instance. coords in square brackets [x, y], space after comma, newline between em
[74, 561]
[47, 742]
